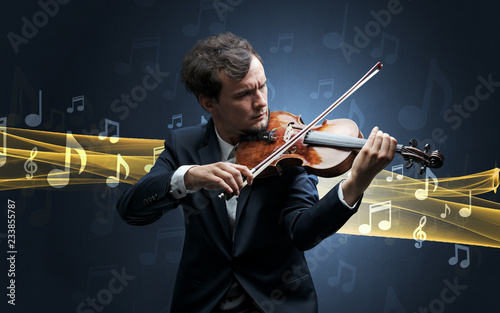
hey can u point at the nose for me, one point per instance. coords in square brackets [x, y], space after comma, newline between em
[260, 99]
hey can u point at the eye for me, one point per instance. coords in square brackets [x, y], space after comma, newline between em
[242, 95]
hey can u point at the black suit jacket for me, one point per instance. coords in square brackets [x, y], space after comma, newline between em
[277, 219]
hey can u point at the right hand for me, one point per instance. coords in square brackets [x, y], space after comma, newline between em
[221, 175]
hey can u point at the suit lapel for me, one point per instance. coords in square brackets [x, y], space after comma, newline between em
[242, 200]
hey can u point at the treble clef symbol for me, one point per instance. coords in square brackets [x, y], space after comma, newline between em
[419, 235]
[29, 166]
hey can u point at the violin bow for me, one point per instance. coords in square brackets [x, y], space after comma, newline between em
[278, 152]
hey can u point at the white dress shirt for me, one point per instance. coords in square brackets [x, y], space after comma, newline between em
[178, 188]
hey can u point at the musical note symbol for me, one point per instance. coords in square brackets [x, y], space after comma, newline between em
[58, 178]
[222, 7]
[347, 286]
[393, 169]
[104, 197]
[176, 117]
[418, 234]
[214, 28]
[286, 48]
[392, 303]
[76, 100]
[148, 258]
[414, 118]
[156, 152]
[138, 44]
[169, 94]
[113, 181]
[271, 91]
[374, 208]
[390, 58]
[454, 259]
[29, 166]
[104, 134]
[34, 119]
[3, 130]
[422, 194]
[98, 272]
[22, 89]
[446, 209]
[334, 40]
[354, 110]
[41, 216]
[328, 83]
[466, 212]
[50, 123]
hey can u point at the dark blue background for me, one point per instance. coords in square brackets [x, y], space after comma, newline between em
[70, 239]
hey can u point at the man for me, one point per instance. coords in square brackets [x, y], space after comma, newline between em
[244, 254]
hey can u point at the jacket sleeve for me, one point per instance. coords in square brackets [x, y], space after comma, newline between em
[147, 200]
[309, 219]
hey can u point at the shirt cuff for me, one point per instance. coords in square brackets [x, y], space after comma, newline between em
[341, 197]
[177, 187]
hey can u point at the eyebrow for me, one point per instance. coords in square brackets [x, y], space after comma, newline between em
[246, 90]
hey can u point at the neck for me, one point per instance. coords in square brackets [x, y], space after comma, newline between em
[232, 140]
[335, 140]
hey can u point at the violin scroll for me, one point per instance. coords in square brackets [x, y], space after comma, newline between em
[412, 154]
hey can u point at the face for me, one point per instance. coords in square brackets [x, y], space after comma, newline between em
[242, 106]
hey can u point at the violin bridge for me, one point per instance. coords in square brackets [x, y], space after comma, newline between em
[288, 132]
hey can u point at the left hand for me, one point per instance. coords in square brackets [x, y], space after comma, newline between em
[376, 154]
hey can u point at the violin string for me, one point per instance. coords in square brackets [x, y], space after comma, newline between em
[277, 153]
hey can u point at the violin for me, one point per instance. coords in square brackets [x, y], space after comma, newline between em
[327, 150]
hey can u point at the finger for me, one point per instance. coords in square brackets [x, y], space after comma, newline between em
[385, 146]
[231, 177]
[246, 173]
[242, 176]
[377, 141]
[392, 144]
[224, 186]
[371, 138]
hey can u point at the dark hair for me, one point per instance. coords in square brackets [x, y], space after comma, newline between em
[224, 53]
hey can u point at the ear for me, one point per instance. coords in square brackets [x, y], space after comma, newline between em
[207, 103]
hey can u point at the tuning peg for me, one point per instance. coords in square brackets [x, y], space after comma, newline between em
[413, 143]
[422, 170]
[427, 147]
[409, 164]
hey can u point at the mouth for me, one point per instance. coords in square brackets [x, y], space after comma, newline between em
[261, 116]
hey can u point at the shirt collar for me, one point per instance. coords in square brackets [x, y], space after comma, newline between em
[225, 148]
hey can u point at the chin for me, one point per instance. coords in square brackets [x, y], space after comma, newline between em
[261, 126]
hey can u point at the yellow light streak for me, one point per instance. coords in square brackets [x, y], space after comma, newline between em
[447, 210]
